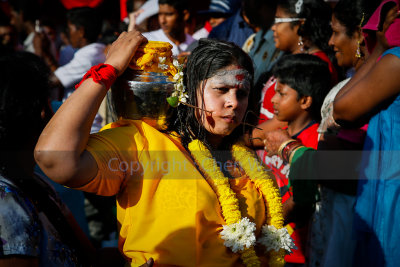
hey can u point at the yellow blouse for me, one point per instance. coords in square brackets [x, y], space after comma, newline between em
[165, 208]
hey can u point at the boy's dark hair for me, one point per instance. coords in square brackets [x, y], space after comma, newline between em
[206, 59]
[308, 75]
[261, 13]
[350, 13]
[88, 19]
[179, 5]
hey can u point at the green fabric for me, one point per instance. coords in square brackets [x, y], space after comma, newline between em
[303, 177]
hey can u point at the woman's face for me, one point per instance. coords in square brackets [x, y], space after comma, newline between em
[345, 47]
[285, 35]
[226, 97]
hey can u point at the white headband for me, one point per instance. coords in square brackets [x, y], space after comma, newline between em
[280, 20]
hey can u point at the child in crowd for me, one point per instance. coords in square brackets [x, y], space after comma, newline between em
[302, 83]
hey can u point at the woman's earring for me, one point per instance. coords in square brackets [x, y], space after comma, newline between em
[301, 44]
[358, 52]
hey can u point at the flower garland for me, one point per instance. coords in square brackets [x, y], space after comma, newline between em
[238, 233]
[179, 95]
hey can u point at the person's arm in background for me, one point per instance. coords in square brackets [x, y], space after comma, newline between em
[68, 130]
[41, 44]
[378, 85]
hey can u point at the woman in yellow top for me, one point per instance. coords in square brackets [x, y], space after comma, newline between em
[180, 199]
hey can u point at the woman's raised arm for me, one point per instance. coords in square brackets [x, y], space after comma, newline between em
[379, 84]
[61, 149]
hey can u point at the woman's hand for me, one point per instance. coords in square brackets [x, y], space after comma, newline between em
[274, 139]
[122, 50]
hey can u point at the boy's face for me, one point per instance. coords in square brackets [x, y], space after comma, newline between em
[169, 19]
[286, 105]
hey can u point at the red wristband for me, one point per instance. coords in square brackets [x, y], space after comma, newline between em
[101, 73]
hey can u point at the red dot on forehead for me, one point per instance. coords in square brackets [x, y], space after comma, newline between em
[240, 77]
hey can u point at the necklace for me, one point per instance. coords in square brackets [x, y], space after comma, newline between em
[238, 232]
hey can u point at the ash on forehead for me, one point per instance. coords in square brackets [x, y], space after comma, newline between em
[237, 77]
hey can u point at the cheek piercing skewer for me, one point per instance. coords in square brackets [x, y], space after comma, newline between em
[245, 123]
[210, 112]
[186, 104]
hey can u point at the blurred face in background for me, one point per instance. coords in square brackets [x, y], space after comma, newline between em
[75, 35]
[7, 36]
[17, 20]
[50, 32]
[214, 22]
[169, 19]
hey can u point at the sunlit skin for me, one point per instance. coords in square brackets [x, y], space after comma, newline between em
[290, 108]
[285, 102]
[345, 47]
[285, 35]
[226, 97]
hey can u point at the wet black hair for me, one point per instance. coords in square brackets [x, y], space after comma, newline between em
[308, 75]
[87, 18]
[350, 13]
[316, 27]
[206, 59]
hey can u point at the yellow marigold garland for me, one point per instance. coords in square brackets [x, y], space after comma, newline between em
[227, 197]
[257, 173]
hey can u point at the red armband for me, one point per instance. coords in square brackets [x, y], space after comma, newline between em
[101, 73]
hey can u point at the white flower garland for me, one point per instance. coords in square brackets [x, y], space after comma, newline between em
[240, 235]
[275, 239]
[180, 90]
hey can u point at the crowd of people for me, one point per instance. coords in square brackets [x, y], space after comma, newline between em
[280, 151]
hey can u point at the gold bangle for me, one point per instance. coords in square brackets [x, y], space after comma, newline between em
[293, 152]
[283, 145]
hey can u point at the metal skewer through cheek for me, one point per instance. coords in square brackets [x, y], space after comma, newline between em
[210, 112]
[186, 104]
